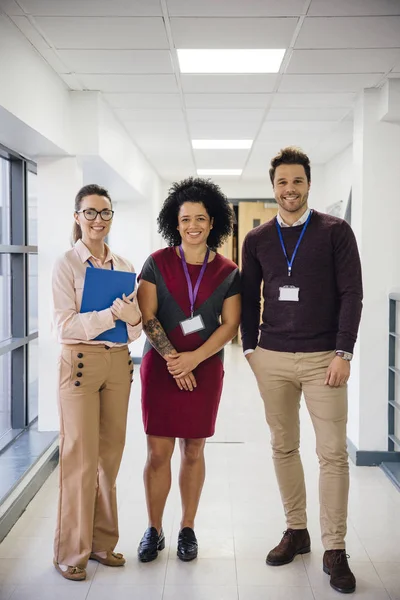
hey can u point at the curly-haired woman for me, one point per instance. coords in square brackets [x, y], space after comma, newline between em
[189, 297]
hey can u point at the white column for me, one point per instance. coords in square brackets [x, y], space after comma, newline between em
[375, 220]
[58, 182]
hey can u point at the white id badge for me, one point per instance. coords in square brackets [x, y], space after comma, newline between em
[192, 325]
[289, 293]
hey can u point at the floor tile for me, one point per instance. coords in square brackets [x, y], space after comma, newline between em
[389, 573]
[360, 594]
[251, 572]
[213, 572]
[73, 591]
[125, 592]
[200, 592]
[275, 593]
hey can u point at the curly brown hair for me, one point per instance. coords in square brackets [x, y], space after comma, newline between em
[196, 189]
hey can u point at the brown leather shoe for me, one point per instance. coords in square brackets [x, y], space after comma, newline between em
[71, 573]
[113, 559]
[335, 564]
[294, 541]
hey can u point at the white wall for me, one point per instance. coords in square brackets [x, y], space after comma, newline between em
[31, 91]
[375, 217]
[43, 120]
[331, 183]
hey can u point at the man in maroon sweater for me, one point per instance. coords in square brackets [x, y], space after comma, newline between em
[309, 267]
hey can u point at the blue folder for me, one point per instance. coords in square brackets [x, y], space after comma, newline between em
[100, 290]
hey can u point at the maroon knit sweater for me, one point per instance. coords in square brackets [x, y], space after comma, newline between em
[327, 270]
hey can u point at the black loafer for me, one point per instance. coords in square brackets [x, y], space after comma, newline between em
[150, 544]
[187, 544]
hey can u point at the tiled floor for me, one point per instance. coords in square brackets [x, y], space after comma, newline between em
[240, 519]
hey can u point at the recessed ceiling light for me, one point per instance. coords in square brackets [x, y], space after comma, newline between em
[219, 171]
[230, 61]
[222, 144]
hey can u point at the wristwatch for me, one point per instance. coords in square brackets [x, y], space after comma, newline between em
[345, 355]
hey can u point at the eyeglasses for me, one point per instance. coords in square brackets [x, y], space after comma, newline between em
[91, 214]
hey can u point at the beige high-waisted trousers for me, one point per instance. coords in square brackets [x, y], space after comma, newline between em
[94, 388]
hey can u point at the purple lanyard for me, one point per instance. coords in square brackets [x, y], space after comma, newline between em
[193, 294]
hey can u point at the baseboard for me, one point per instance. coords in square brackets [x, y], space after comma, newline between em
[392, 470]
[371, 458]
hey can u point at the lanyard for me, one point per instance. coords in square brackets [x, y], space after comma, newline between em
[93, 267]
[290, 262]
[193, 294]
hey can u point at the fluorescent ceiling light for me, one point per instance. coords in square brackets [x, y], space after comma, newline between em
[222, 144]
[230, 61]
[219, 171]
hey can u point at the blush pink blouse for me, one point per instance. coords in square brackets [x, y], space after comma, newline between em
[73, 327]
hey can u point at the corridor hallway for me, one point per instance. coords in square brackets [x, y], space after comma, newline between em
[240, 519]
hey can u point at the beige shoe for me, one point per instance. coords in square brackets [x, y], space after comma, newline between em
[72, 573]
[113, 559]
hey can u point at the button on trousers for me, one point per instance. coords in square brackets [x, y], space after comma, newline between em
[94, 388]
[282, 377]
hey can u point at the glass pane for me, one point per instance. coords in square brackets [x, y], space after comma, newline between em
[4, 201]
[5, 393]
[33, 379]
[32, 209]
[5, 297]
[33, 292]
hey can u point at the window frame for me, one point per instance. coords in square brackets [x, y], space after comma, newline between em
[19, 250]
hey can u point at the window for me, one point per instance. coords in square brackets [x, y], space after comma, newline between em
[18, 295]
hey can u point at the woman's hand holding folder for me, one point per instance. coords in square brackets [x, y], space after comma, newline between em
[127, 309]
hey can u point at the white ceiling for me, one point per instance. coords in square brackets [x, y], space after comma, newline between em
[127, 50]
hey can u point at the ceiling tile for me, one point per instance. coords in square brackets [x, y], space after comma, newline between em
[226, 84]
[221, 115]
[227, 100]
[349, 32]
[320, 100]
[130, 83]
[51, 56]
[171, 163]
[294, 132]
[152, 136]
[235, 130]
[10, 7]
[307, 114]
[105, 33]
[220, 159]
[338, 140]
[143, 100]
[150, 115]
[232, 33]
[117, 61]
[72, 81]
[343, 61]
[92, 8]
[31, 33]
[235, 8]
[327, 8]
[328, 83]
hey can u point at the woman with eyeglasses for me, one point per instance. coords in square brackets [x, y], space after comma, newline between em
[94, 386]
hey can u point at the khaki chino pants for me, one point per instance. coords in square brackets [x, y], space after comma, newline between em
[281, 378]
[94, 387]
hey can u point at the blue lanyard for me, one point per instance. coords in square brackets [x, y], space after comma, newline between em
[290, 262]
[93, 267]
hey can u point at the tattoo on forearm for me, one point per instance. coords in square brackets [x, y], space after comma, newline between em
[157, 337]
